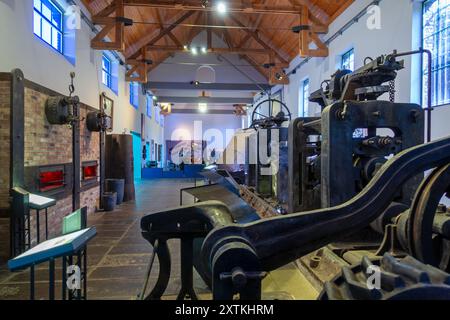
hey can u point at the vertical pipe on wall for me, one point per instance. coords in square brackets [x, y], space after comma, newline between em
[76, 158]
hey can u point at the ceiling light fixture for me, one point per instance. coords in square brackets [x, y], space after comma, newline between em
[203, 107]
[222, 8]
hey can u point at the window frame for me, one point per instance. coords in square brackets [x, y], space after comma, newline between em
[157, 113]
[437, 68]
[149, 106]
[305, 98]
[107, 72]
[60, 29]
[350, 54]
[134, 98]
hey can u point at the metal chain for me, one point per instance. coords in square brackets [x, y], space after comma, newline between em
[71, 86]
[392, 91]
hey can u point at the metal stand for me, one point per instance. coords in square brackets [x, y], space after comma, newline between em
[187, 270]
[20, 225]
[38, 226]
[66, 293]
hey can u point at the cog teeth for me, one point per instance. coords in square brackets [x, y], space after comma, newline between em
[358, 288]
[403, 269]
[397, 277]
[435, 275]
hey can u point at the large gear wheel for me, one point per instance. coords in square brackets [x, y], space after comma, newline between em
[400, 279]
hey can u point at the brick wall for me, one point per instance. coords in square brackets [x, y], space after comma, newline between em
[90, 199]
[45, 144]
[89, 151]
[90, 141]
[4, 240]
[55, 217]
[5, 100]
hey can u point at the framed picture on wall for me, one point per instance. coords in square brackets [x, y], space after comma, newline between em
[108, 108]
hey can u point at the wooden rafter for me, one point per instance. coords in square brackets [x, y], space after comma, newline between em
[234, 7]
[308, 34]
[139, 69]
[103, 18]
[193, 33]
[230, 50]
[255, 36]
[246, 56]
[315, 11]
[161, 26]
[250, 28]
[162, 33]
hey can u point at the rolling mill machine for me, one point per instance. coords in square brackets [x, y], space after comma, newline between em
[357, 199]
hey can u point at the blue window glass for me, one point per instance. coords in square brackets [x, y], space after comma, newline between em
[436, 38]
[149, 106]
[106, 72]
[303, 112]
[348, 60]
[157, 114]
[134, 94]
[48, 23]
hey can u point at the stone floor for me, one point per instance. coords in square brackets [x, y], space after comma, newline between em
[118, 255]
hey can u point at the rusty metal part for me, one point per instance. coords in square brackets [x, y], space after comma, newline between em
[262, 207]
[403, 279]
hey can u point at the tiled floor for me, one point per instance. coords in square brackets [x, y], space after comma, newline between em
[118, 255]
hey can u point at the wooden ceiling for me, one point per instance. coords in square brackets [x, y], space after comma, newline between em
[260, 31]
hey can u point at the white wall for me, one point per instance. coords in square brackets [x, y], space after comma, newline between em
[181, 127]
[43, 65]
[400, 30]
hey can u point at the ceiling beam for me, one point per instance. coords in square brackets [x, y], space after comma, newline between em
[255, 36]
[157, 15]
[192, 34]
[103, 18]
[245, 56]
[308, 35]
[236, 7]
[314, 9]
[211, 50]
[206, 86]
[162, 33]
[209, 111]
[196, 100]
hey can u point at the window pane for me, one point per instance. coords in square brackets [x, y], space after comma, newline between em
[436, 29]
[46, 12]
[37, 24]
[348, 60]
[57, 19]
[37, 4]
[304, 102]
[47, 23]
[46, 32]
[56, 39]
